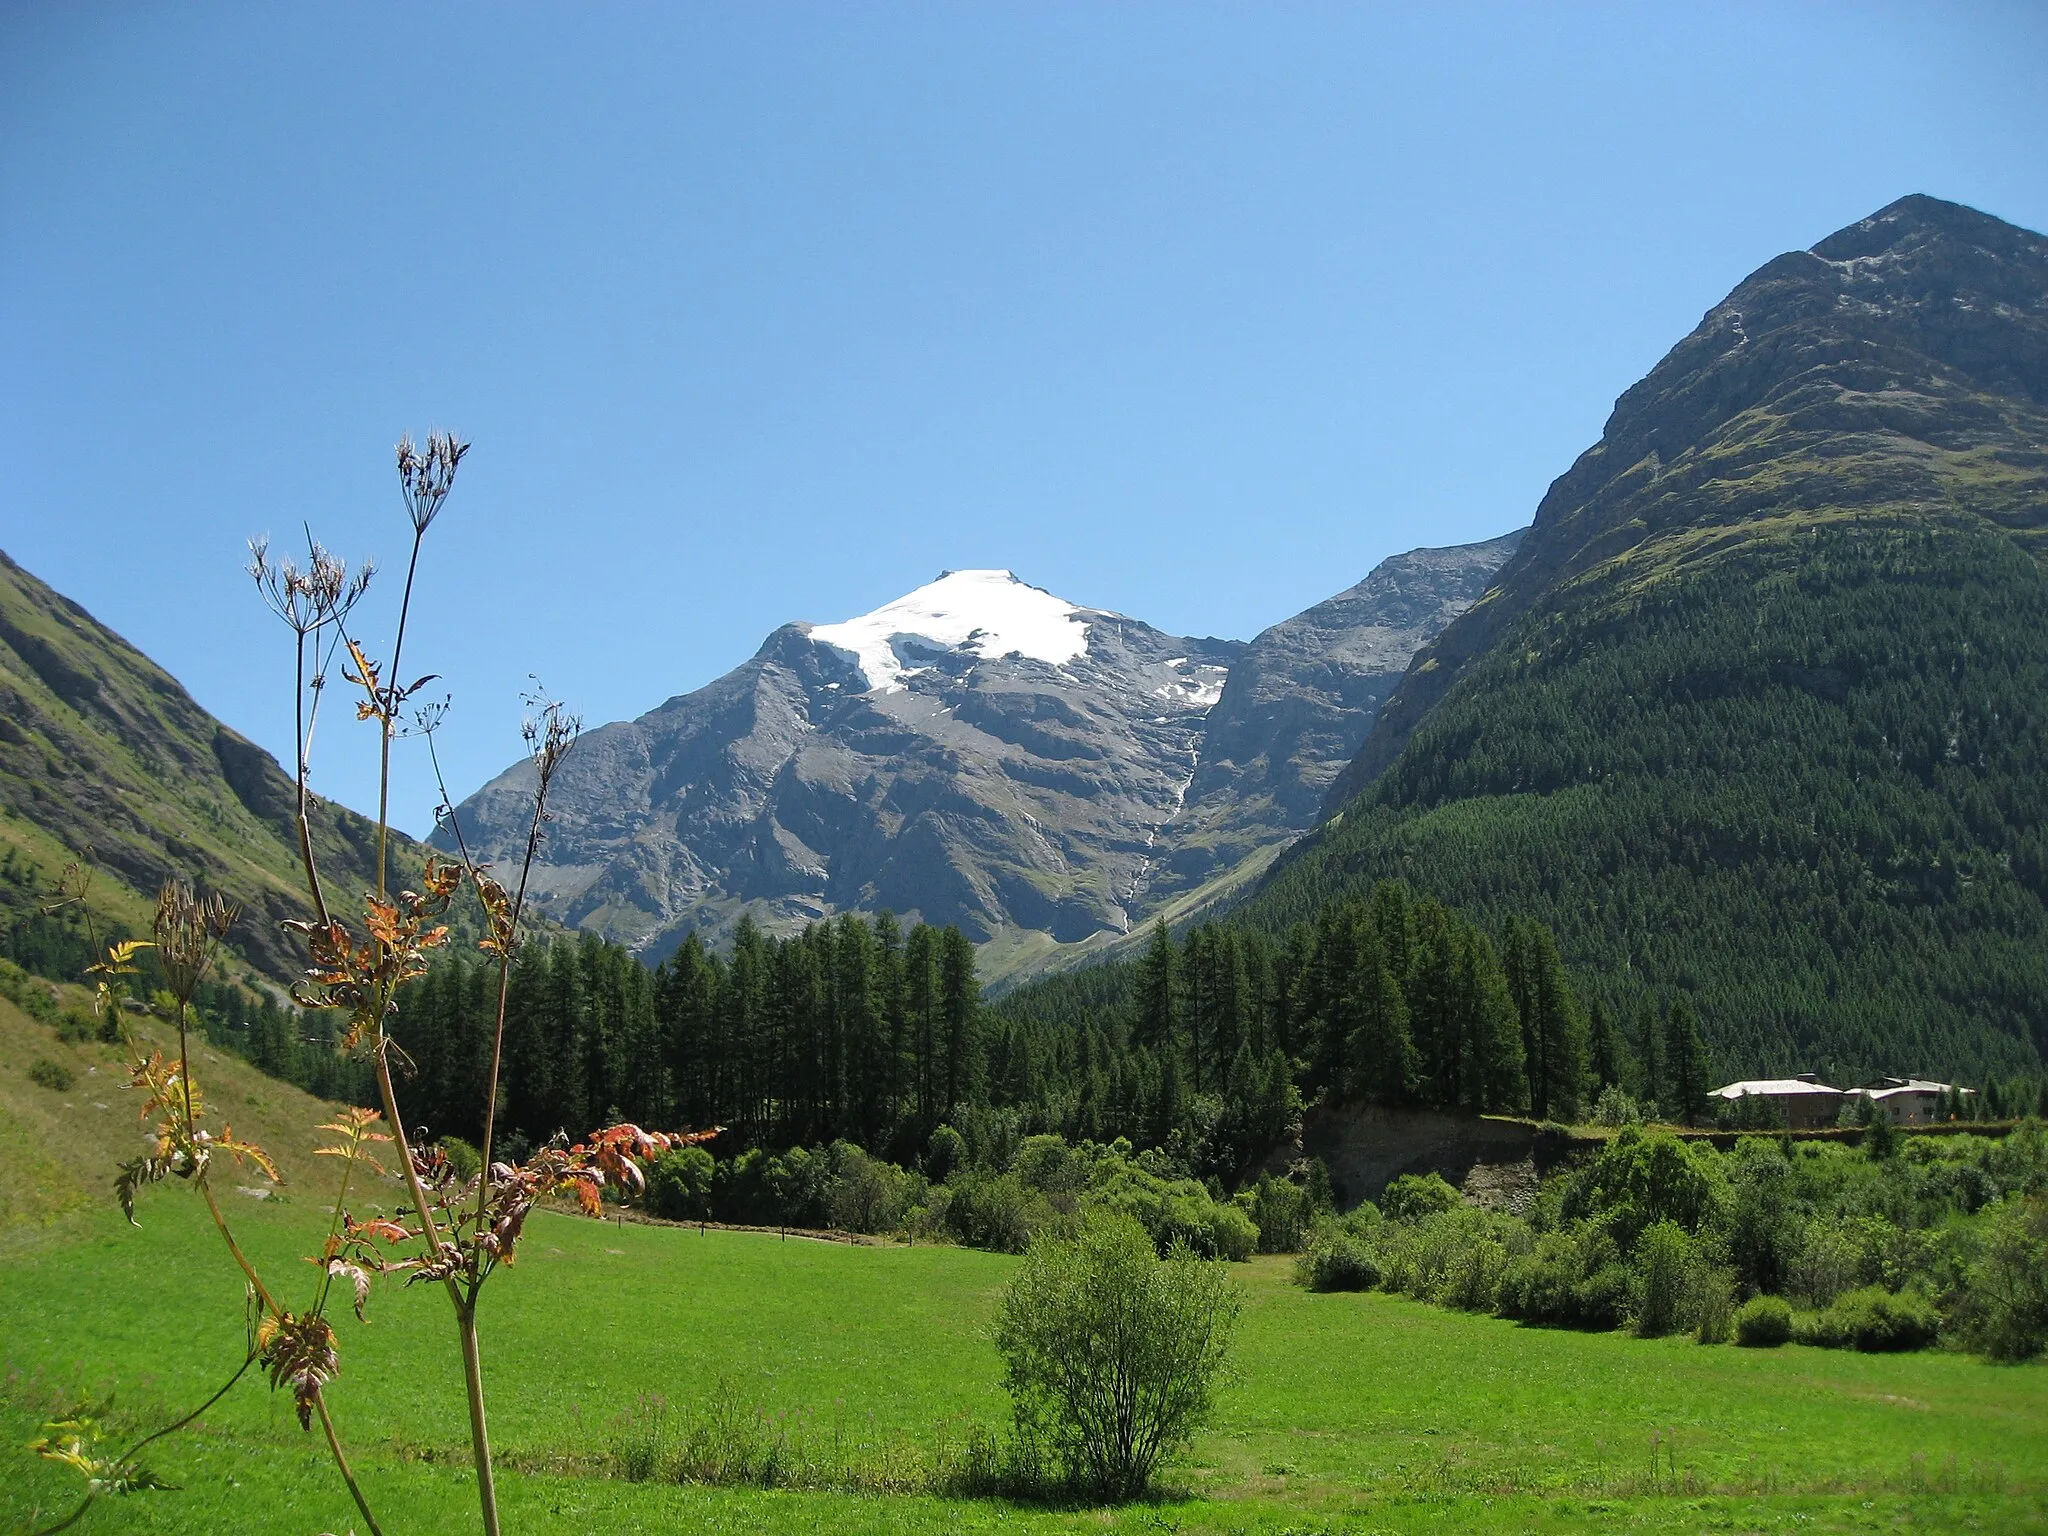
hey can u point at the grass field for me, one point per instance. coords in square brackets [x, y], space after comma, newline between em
[1350, 1409]
[1349, 1412]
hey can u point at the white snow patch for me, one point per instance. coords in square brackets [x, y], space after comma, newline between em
[985, 613]
[1202, 691]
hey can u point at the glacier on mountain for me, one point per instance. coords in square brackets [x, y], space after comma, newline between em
[987, 613]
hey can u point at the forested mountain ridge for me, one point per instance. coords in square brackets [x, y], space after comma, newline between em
[101, 747]
[980, 754]
[1898, 369]
[1758, 713]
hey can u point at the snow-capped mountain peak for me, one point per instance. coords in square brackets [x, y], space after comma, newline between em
[989, 613]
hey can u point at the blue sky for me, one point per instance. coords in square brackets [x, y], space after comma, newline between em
[768, 312]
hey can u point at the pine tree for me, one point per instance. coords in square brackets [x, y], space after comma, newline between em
[1434, 1018]
[926, 1045]
[1380, 1059]
[1496, 1074]
[1607, 1055]
[1158, 1022]
[960, 1007]
[1557, 1073]
[1686, 1054]
[1649, 1031]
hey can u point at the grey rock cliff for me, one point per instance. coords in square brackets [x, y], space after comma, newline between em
[1302, 698]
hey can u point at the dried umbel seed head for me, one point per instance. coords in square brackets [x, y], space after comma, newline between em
[426, 478]
[550, 732]
[311, 596]
[188, 931]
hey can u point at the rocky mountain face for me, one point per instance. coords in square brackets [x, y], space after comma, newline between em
[101, 747]
[1299, 702]
[978, 752]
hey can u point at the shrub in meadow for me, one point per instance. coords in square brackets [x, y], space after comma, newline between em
[1111, 1354]
[1763, 1322]
[679, 1185]
[1873, 1320]
[1337, 1259]
[1662, 1279]
[1713, 1303]
[2003, 1309]
[1411, 1197]
[53, 1075]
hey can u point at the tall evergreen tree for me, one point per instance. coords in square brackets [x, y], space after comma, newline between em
[1687, 1056]
[960, 1006]
[1649, 1032]
[1553, 1029]
[1496, 1075]
[1607, 1054]
[1158, 1022]
[1380, 1059]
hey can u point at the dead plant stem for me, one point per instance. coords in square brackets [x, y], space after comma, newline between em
[504, 985]
[388, 720]
[341, 1461]
[479, 1429]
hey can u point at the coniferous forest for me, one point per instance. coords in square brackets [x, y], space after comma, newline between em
[1804, 789]
[859, 1030]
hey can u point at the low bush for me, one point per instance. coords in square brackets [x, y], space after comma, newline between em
[1871, 1319]
[1602, 1297]
[76, 1025]
[1639, 1180]
[866, 1194]
[462, 1157]
[1111, 1353]
[1283, 1211]
[679, 1184]
[1568, 1280]
[53, 1075]
[1413, 1197]
[32, 995]
[1713, 1303]
[1232, 1234]
[1454, 1258]
[1763, 1322]
[1172, 1211]
[1616, 1107]
[995, 1211]
[1337, 1259]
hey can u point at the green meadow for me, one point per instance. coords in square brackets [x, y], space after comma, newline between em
[1348, 1412]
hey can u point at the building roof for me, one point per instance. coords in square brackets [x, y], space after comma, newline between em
[1775, 1088]
[1892, 1085]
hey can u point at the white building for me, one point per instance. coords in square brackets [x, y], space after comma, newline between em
[1909, 1100]
[1807, 1102]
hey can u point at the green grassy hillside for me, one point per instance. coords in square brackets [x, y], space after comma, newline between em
[99, 746]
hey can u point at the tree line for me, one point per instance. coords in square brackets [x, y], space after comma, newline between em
[1392, 998]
